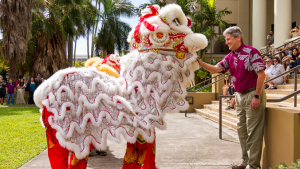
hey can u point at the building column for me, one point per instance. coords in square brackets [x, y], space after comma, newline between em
[282, 21]
[259, 23]
[244, 20]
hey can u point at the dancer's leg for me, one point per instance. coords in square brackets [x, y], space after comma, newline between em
[135, 154]
[149, 162]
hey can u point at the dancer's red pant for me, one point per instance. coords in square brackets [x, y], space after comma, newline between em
[140, 155]
[58, 155]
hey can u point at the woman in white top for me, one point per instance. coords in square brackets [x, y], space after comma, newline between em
[276, 70]
[21, 90]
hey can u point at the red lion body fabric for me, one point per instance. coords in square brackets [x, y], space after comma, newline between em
[58, 156]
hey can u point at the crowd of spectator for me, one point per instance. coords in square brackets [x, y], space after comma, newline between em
[281, 60]
[22, 88]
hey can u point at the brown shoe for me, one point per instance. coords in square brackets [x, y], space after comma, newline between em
[240, 166]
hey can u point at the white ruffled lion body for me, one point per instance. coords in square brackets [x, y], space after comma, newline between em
[89, 106]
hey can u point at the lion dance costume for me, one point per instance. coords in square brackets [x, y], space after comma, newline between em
[86, 106]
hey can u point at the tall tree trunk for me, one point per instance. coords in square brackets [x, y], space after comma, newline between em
[95, 32]
[12, 73]
[104, 52]
[15, 22]
[75, 48]
[70, 51]
[88, 44]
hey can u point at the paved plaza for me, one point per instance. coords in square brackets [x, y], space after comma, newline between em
[188, 143]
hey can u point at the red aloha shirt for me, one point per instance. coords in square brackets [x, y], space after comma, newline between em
[243, 65]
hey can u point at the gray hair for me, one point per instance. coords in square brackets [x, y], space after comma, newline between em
[234, 31]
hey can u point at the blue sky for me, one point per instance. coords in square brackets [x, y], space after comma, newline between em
[81, 48]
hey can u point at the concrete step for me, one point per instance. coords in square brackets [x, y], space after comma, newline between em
[280, 91]
[288, 86]
[229, 122]
[286, 103]
[292, 76]
[216, 102]
[281, 104]
[215, 108]
[291, 81]
[278, 96]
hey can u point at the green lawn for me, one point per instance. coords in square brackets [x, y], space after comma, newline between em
[21, 135]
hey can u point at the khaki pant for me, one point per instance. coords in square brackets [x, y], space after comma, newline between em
[250, 127]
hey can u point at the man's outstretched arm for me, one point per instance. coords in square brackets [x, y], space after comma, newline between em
[210, 68]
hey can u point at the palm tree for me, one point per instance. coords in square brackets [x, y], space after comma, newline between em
[90, 17]
[15, 18]
[113, 32]
[95, 26]
[53, 24]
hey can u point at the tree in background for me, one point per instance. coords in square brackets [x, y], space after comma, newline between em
[79, 64]
[3, 65]
[95, 28]
[15, 21]
[113, 32]
[205, 15]
[53, 24]
[89, 18]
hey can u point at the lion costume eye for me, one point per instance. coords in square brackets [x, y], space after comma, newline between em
[176, 21]
[112, 57]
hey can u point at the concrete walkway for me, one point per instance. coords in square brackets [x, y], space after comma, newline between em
[189, 143]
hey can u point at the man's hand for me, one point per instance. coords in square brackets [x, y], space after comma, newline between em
[255, 103]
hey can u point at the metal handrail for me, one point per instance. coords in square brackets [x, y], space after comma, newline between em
[280, 46]
[204, 81]
[291, 47]
[211, 83]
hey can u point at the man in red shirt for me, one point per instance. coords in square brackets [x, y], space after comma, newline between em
[247, 73]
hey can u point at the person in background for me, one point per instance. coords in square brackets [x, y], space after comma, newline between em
[285, 60]
[231, 91]
[292, 59]
[26, 94]
[2, 90]
[32, 87]
[297, 58]
[20, 77]
[265, 58]
[290, 52]
[270, 39]
[38, 80]
[295, 32]
[21, 90]
[273, 52]
[225, 88]
[286, 49]
[268, 70]
[275, 71]
[10, 91]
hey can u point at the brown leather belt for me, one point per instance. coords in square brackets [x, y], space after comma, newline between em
[249, 90]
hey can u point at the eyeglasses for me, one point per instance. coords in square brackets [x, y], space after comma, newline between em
[268, 61]
[275, 60]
